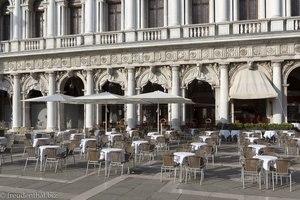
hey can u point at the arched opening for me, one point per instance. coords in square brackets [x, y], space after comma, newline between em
[38, 111]
[5, 109]
[149, 112]
[293, 96]
[202, 95]
[73, 114]
[115, 112]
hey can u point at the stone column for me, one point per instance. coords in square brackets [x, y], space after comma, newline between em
[61, 18]
[89, 113]
[122, 14]
[51, 106]
[284, 102]
[101, 17]
[16, 23]
[261, 9]
[174, 12]
[211, 11]
[223, 92]
[183, 112]
[16, 102]
[165, 13]
[222, 11]
[139, 116]
[277, 81]
[89, 16]
[26, 112]
[143, 14]
[131, 115]
[130, 14]
[288, 8]
[187, 12]
[235, 11]
[26, 27]
[175, 112]
[274, 8]
[51, 18]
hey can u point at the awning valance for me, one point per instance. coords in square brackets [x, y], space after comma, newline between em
[251, 84]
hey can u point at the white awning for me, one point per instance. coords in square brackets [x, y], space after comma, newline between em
[251, 84]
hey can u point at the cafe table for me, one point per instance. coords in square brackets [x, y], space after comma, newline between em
[179, 157]
[267, 163]
[105, 154]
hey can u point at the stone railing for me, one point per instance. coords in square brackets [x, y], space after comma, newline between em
[237, 28]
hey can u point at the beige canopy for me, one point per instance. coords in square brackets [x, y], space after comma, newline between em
[251, 84]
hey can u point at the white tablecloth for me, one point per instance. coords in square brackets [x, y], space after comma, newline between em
[136, 144]
[179, 157]
[3, 140]
[269, 134]
[197, 145]
[257, 147]
[152, 133]
[266, 160]
[42, 152]
[251, 139]
[35, 141]
[225, 133]
[235, 133]
[84, 143]
[204, 137]
[296, 125]
[105, 153]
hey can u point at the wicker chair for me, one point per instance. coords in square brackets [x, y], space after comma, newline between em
[195, 164]
[282, 170]
[251, 167]
[31, 156]
[94, 159]
[169, 165]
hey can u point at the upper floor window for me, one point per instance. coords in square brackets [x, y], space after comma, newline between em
[295, 7]
[248, 9]
[200, 11]
[155, 13]
[39, 21]
[75, 16]
[114, 15]
[4, 21]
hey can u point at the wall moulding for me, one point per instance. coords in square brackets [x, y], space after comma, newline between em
[145, 58]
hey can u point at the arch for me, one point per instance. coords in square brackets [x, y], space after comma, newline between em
[263, 67]
[201, 73]
[64, 78]
[118, 76]
[6, 85]
[39, 84]
[289, 71]
[158, 76]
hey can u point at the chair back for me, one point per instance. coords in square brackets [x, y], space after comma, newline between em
[51, 153]
[282, 166]
[115, 156]
[31, 152]
[91, 144]
[28, 136]
[27, 143]
[168, 160]
[144, 147]
[268, 151]
[200, 153]
[195, 162]
[252, 165]
[93, 155]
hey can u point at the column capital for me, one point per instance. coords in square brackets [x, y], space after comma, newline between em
[277, 61]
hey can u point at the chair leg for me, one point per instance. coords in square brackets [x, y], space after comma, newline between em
[290, 182]
[25, 165]
[99, 168]
[87, 168]
[161, 174]
[36, 164]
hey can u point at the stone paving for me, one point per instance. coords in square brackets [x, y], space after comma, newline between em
[222, 181]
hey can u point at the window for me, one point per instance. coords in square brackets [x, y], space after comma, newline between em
[114, 15]
[5, 26]
[38, 19]
[200, 11]
[295, 7]
[248, 9]
[156, 13]
[75, 17]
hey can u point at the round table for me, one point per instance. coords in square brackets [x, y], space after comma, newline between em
[197, 145]
[257, 147]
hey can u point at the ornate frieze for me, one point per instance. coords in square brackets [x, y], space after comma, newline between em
[150, 57]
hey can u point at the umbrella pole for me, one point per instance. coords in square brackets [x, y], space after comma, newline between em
[58, 116]
[105, 118]
[158, 118]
